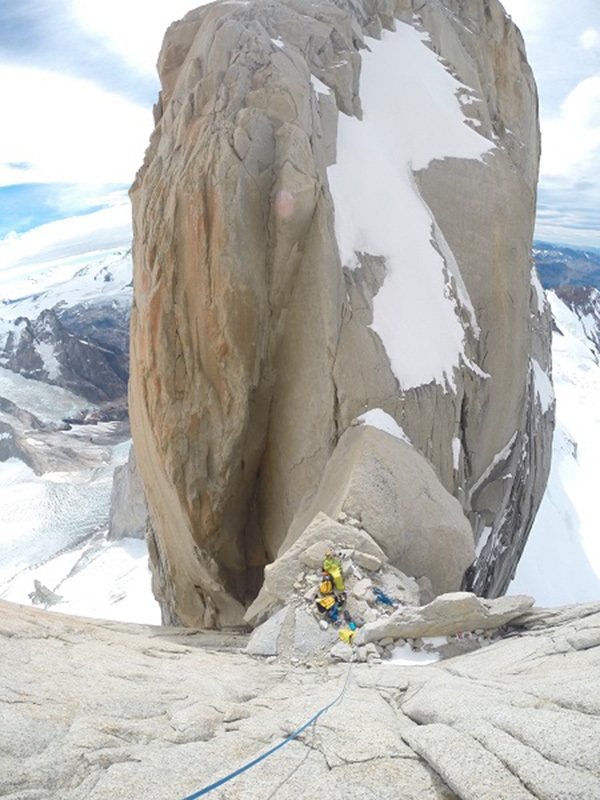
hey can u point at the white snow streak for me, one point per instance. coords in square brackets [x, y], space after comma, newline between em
[411, 117]
[497, 459]
[483, 540]
[543, 386]
[404, 654]
[319, 86]
[538, 288]
[456, 448]
[51, 363]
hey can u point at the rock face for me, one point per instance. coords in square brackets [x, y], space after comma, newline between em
[303, 257]
[128, 508]
[96, 710]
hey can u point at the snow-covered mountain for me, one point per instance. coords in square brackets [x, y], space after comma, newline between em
[68, 325]
[56, 477]
[560, 266]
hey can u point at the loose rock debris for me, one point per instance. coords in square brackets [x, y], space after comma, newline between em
[334, 595]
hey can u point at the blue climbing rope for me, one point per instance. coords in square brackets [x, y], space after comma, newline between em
[257, 760]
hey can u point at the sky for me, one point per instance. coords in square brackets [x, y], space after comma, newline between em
[563, 47]
[79, 81]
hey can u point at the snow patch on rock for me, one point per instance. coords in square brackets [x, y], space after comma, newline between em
[378, 208]
[380, 419]
[543, 386]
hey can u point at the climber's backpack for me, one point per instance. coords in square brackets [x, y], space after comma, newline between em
[326, 586]
[325, 603]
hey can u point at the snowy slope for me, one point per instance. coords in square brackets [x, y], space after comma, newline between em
[561, 562]
[105, 580]
[53, 527]
[89, 278]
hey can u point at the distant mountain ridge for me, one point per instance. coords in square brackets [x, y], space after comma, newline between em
[72, 332]
[559, 265]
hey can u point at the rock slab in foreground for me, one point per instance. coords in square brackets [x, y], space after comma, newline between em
[94, 710]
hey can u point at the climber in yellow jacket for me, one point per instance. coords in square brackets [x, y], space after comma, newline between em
[331, 564]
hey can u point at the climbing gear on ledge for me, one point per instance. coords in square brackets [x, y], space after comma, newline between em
[326, 603]
[381, 597]
[331, 605]
[347, 635]
[326, 586]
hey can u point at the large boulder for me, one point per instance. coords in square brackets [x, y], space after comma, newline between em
[446, 615]
[391, 488]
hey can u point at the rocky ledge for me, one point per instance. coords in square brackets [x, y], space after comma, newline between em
[95, 710]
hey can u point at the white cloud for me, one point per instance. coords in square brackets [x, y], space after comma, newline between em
[73, 199]
[571, 141]
[68, 130]
[527, 14]
[133, 28]
[66, 238]
[590, 39]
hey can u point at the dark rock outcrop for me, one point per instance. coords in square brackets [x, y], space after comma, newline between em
[44, 349]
